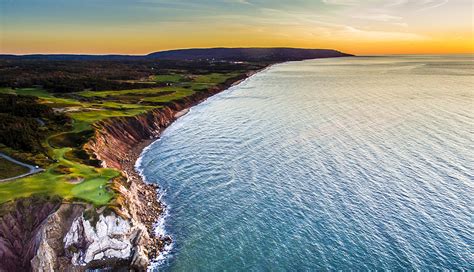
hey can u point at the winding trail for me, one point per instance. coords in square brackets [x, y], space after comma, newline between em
[32, 169]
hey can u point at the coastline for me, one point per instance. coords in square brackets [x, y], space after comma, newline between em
[138, 151]
[151, 191]
[127, 232]
[135, 172]
[122, 235]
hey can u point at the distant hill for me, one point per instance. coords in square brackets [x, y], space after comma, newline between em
[228, 54]
[247, 54]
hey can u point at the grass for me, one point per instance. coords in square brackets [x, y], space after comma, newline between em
[70, 139]
[122, 92]
[93, 187]
[93, 190]
[93, 116]
[38, 92]
[178, 93]
[214, 78]
[45, 97]
[9, 169]
[172, 78]
[94, 182]
[68, 177]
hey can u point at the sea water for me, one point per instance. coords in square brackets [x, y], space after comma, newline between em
[358, 163]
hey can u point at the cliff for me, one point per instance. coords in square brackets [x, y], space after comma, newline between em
[49, 235]
[40, 234]
[118, 143]
[77, 236]
[19, 224]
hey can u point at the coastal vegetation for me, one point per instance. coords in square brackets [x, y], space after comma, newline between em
[78, 124]
[49, 109]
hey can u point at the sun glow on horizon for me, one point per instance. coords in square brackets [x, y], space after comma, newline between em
[144, 26]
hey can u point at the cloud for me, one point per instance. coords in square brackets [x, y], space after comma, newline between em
[435, 4]
[341, 2]
[243, 2]
[246, 2]
[317, 27]
[378, 17]
[400, 24]
[383, 4]
[381, 35]
[417, 5]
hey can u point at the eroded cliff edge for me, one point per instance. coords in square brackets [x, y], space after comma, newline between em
[48, 235]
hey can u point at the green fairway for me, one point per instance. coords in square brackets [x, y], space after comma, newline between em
[92, 116]
[214, 78]
[72, 181]
[178, 93]
[50, 184]
[122, 92]
[172, 78]
[69, 177]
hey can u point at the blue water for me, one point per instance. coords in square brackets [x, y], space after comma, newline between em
[353, 163]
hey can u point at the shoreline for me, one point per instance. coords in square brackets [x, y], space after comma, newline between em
[137, 152]
[89, 236]
[131, 167]
[127, 232]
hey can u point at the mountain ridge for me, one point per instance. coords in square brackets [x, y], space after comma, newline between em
[216, 53]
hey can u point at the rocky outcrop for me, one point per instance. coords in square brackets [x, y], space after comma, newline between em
[78, 238]
[118, 143]
[110, 238]
[50, 253]
[116, 137]
[20, 224]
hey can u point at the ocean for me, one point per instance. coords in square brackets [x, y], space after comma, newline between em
[360, 163]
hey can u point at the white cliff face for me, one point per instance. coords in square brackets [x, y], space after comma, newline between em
[112, 237]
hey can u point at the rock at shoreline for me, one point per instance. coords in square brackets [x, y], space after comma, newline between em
[112, 237]
[77, 237]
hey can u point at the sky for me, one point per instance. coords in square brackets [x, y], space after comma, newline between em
[144, 26]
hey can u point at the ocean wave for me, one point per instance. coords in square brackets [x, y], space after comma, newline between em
[346, 169]
[160, 225]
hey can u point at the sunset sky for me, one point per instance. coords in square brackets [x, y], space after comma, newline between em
[143, 26]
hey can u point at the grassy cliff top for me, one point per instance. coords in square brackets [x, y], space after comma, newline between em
[70, 172]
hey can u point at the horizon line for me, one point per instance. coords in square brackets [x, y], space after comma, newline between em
[222, 47]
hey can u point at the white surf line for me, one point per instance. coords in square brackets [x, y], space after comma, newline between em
[160, 227]
[32, 169]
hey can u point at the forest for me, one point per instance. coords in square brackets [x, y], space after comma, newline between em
[25, 123]
[65, 76]
[50, 108]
